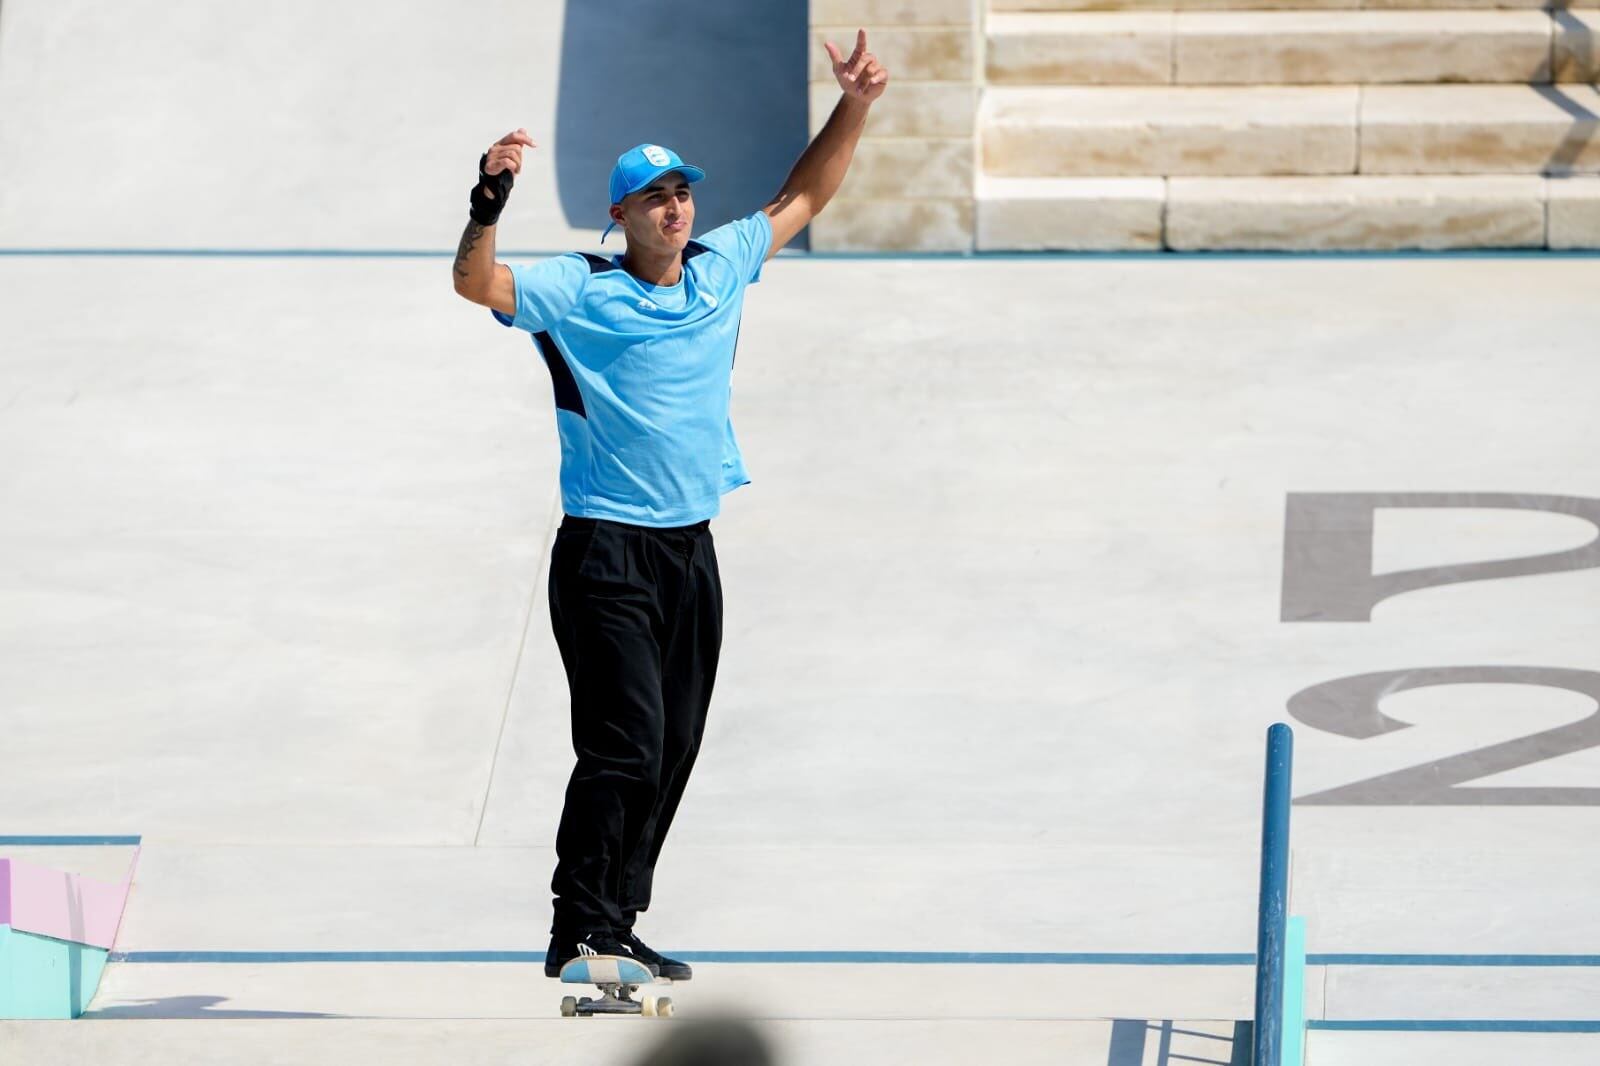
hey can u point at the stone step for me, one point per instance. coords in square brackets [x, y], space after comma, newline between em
[1077, 132]
[1355, 213]
[1287, 213]
[1255, 131]
[1007, 6]
[1480, 129]
[1287, 47]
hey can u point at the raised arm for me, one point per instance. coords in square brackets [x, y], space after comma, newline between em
[477, 276]
[821, 167]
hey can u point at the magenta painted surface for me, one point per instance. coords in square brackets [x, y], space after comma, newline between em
[65, 906]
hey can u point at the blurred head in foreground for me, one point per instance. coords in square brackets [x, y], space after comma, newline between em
[709, 1042]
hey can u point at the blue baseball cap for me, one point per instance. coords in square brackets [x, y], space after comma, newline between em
[642, 164]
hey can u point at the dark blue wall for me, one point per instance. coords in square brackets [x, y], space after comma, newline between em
[721, 82]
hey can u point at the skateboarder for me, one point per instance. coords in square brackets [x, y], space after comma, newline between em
[640, 348]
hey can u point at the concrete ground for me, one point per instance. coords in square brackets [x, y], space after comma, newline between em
[1004, 630]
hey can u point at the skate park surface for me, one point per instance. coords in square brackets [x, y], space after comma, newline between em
[1002, 635]
[1005, 624]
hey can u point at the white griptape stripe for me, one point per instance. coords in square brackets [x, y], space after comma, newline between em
[603, 970]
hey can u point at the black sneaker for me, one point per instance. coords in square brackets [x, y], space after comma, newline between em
[564, 947]
[659, 964]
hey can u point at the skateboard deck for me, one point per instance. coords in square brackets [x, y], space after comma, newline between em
[618, 978]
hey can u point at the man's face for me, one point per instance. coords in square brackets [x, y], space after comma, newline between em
[660, 215]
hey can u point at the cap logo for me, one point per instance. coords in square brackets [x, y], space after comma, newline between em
[656, 155]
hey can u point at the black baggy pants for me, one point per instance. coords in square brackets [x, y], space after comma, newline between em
[637, 613]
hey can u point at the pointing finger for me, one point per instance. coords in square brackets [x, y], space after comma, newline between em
[833, 53]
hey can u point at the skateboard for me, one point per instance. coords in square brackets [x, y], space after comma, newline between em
[619, 978]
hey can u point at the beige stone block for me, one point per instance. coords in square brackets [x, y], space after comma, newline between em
[1070, 214]
[919, 53]
[1267, 5]
[1574, 212]
[1161, 5]
[1464, 5]
[863, 225]
[926, 168]
[1577, 45]
[1354, 213]
[871, 13]
[1155, 132]
[1480, 129]
[930, 109]
[1096, 48]
[1360, 47]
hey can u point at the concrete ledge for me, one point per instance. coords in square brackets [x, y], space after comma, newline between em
[923, 167]
[870, 13]
[1070, 214]
[1097, 48]
[1480, 129]
[1271, 47]
[1361, 47]
[919, 109]
[1355, 213]
[1265, 5]
[1574, 212]
[893, 225]
[1066, 132]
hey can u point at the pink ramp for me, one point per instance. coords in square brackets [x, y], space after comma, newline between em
[36, 899]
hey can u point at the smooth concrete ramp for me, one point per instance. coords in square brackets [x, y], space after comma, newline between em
[1003, 632]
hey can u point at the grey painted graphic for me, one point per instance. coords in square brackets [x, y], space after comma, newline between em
[1327, 550]
[1349, 707]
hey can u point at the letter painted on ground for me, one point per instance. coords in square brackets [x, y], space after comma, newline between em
[1327, 550]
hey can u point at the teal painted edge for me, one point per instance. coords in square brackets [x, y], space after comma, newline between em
[1457, 1025]
[45, 978]
[68, 841]
[1294, 993]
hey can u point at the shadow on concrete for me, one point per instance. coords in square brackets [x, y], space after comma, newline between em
[1176, 1045]
[193, 1007]
[721, 82]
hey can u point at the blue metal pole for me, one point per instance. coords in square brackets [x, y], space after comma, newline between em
[1272, 917]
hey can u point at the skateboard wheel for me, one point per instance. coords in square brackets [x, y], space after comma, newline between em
[664, 1007]
[585, 1001]
[569, 1007]
[647, 1006]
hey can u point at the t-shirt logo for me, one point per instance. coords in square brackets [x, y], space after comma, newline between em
[656, 155]
[710, 299]
[646, 305]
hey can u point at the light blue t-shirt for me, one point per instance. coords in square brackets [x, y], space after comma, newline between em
[643, 375]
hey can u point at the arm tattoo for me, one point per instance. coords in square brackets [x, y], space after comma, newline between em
[468, 239]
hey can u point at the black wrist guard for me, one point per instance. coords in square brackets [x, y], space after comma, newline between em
[486, 211]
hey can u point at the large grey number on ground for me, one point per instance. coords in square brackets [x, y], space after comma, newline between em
[1348, 706]
[1327, 577]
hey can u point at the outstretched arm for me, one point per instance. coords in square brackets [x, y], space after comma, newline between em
[476, 274]
[821, 167]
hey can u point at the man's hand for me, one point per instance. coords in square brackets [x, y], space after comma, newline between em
[507, 152]
[859, 76]
[497, 171]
